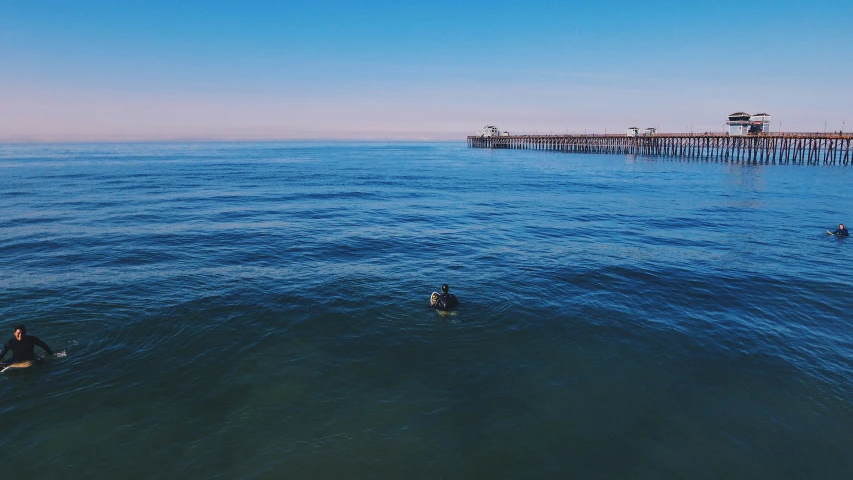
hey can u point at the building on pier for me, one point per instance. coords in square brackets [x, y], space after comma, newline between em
[738, 124]
[491, 131]
[650, 131]
[760, 122]
[633, 132]
[742, 123]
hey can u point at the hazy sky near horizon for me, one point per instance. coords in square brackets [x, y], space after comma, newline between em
[228, 70]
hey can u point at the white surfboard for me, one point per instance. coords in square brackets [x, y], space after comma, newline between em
[829, 233]
[433, 298]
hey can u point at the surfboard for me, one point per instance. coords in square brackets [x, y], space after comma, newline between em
[18, 365]
[829, 233]
[433, 298]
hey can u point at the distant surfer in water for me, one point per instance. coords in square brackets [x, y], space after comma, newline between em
[443, 301]
[22, 347]
[841, 232]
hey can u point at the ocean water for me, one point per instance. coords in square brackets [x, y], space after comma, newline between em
[260, 311]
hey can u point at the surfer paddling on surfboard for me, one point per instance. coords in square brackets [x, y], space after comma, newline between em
[22, 347]
[841, 232]
[443, 301]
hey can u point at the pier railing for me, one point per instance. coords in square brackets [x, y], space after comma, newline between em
[807, 148]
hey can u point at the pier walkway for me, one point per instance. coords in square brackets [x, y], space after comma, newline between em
[805, 148]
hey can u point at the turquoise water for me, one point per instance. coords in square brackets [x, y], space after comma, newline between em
[259, 311]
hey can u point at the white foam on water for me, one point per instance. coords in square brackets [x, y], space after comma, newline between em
[61, 354]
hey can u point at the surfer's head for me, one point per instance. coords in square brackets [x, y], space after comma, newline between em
[20, 331]
[444, 288]
[841, 226]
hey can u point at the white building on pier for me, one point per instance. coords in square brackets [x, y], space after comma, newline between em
[742, 123]
[491, 131]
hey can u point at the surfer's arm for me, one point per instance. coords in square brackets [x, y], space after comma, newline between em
[3, 352]
[43, 345]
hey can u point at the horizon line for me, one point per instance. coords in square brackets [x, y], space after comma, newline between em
[236, 140]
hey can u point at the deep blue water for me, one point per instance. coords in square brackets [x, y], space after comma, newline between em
[259, 311]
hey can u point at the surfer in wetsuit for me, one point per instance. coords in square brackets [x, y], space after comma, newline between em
[22, 346]
[841, 232]
[444, 300]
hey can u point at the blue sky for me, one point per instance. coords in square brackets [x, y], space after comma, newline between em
[85, 70]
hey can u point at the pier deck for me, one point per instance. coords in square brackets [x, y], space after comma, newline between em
[805, 148]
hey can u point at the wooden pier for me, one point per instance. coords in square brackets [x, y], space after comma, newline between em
[803, 148]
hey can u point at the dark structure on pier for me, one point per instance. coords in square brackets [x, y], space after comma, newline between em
[806, 148]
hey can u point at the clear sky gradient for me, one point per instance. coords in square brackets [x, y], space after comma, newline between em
[439, 70]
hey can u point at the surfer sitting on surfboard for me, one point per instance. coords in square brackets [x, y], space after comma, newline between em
[22, 346]
[841, 232]
[444, 300]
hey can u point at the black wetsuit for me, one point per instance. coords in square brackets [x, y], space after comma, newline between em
[22, 350]
[446, 301]
[841, 232]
